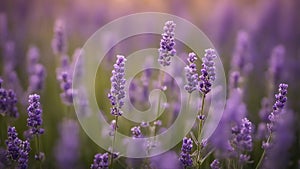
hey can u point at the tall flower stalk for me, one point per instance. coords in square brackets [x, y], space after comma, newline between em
[34, 122]
[116, 95]
[280, 101]
[207, 77]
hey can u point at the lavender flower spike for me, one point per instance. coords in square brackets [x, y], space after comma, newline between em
[215, 164]
[117, 92]
[59, 45]
[191, 73]
[136, 132]
[279, 104]
[100, 161]
[185, 157]
[167, 43]
[34, 120]
[208, 73]
[243, 136]
[13, 143]
[24, 155]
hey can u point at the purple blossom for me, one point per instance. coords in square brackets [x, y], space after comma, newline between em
[24, 155]
[13, 143]
[276, 63]
[185, 157]
[241, 57]
[234, 80]
[208, 74]
[191, 73]
[242, 136]
[136, 132]
[279, 104]
[67, 148]
[59, 44]
[8, 102]
[215, 164]
[17, 150]
[101, 161]
[66, 86]
[36, 71]
[167, 43]
[34, 120]
[117, 92]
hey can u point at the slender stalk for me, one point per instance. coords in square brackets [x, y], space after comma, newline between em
[160, 81]
[37, 145]
[263, 154]
[113, 143]
[200, 130]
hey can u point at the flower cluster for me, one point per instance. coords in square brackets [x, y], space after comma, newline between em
[117, 92]
[185, 157]
[243, 135]
[36, 71]
[66, 85]
[208, 73]
[8, 102]
[136, 132]
[167, 43]
[215, 164]
[101, 161]
[191, 73]
[17, 150]
[59, 45]
[279, 104]
[34, 120]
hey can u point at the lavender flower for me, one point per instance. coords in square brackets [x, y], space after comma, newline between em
[215, 164]
[191, 73]
[100, 161]
[185, 157]
[34, 120]
[36, 71]
[242, 136]
[8, 102]
[234, 80]
[17, 150]
[279, 104]
[240, 59]
[167, 43]
[276, 63]
[66, 85]
[208, 74]
[67, 148]
[136, 132]
[24, 155]
[13, 143]
[117, 92]
[59, 45]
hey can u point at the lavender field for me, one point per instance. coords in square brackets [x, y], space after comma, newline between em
[171, 84]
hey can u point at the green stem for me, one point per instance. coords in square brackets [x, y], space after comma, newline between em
[263, 154]
[160, 81]
[113, 143]
[200, 130]
[37, 144]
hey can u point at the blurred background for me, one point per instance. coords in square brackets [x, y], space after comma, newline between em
[27, 23]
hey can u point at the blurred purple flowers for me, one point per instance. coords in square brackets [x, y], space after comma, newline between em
[8, 102]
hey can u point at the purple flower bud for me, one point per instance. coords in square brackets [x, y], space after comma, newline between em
[59, 45]
[101, 161]
[185, 157]
[215, 164]
[34, 120]
[191, 73]
[208, 74]
[8, 102]
[167, 43]
[136, 132]
[117, 91]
